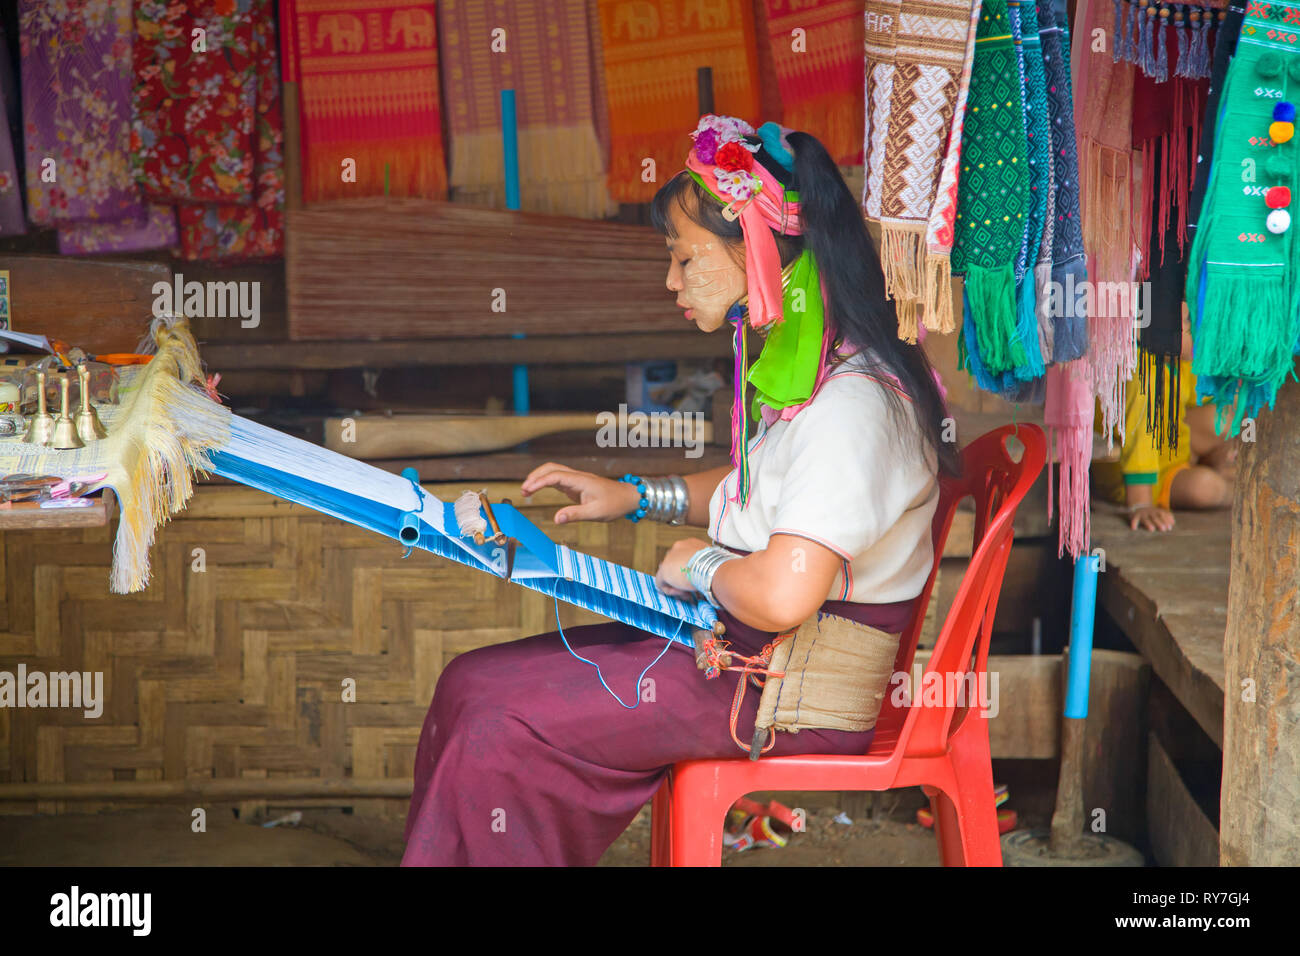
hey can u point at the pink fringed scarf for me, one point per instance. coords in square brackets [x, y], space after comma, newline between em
[1068, 414]
[1103, 108]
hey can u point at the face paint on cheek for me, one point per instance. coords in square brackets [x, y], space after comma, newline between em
[713, 282]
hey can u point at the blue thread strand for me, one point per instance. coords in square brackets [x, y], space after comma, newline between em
[599, 675]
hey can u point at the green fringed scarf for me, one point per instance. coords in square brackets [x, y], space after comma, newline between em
[1243, 282]
[993, 192]
[785, 372]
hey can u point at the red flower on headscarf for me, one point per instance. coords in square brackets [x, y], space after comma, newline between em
[732, 157]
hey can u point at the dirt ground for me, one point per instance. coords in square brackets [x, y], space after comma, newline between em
[162, 836]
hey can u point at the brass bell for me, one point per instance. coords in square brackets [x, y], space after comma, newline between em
[42, 423]
[89, 427]
[65, 429]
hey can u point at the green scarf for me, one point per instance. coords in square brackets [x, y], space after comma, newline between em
[785, 371]
[993, 191]
[1243, 281]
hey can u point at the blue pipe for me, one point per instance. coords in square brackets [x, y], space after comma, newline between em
[510, 145]
[1083, 612]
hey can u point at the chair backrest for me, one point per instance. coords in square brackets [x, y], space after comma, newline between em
[997, 484]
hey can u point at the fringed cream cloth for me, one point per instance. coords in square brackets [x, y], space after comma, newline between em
[158, 435]
[836, 674]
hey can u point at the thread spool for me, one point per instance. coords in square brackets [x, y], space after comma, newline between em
[468, 518]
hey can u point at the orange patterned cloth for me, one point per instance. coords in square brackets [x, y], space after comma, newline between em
[368, 72]
[652, 50]
[544, 55]
[821, 79]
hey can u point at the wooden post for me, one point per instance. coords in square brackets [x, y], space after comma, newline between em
[1259, 820]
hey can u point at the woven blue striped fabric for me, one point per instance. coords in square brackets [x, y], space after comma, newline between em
[345, 488]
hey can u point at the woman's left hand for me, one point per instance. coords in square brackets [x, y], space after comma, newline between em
[670, 577]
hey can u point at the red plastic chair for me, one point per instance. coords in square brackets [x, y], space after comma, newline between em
[942, 749]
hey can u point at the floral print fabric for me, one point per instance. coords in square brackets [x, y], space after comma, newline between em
[195, 98]
[76, 92]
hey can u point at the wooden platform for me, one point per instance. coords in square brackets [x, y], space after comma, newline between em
[1169, 594]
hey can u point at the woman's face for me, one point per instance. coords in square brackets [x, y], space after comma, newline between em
[707, 280]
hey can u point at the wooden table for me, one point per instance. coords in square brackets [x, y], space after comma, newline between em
[1169, 594]
[95, 516]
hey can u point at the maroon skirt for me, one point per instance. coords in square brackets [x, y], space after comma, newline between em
[525, 759]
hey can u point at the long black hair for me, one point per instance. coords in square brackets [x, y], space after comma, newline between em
[848, 267]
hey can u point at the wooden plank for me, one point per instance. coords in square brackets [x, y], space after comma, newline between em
[1180, 833]
[598, 348]
[1168, 593]
[1259, 817]
[92, 516]
[100, 306]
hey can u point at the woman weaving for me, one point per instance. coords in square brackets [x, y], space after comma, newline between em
[820, 535]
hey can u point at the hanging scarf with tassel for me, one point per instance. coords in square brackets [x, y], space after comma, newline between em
[993, 194]
[1103, 81]
[1166, 129]
[1244, 276]
[939, 312]
[928, 61]
[1068, 269]
[1033, 89]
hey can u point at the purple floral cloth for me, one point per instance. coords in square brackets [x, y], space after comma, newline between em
[155, 228]
[76, 71]
[12, 222]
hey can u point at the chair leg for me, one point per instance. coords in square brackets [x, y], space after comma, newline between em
[661, 809]
[947, 828]
[972, 769]
[965, 812]
[696, 818]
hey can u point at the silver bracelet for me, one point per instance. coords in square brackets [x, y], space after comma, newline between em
[703, 565]
[667, 499]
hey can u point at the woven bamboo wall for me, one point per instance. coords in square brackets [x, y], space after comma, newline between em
[236, 671]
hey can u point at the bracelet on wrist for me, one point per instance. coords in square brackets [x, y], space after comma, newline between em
[702, 567]
[661, 499]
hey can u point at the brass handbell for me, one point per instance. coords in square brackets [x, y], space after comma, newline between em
[65, 429]
[89, 427]
[42, 424]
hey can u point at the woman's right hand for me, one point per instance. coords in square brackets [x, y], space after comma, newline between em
[598, 498]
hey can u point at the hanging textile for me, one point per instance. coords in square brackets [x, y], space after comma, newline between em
[255, 229]
[76, 93]
[371, 121]
[1023, 20]
[993, 195]
[193, 133]
[928, 59]
[1229, 31]
[1103, 119]
[1068, 413]
[544, 56]
[879, 45]
[153, 228]
[1166, 129]
[652, 56]
[938, 304]
[12, 222]
[1069, 272]
[819, 79]
[1242, 280]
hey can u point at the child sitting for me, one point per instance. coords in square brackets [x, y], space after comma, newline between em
[1153, 482]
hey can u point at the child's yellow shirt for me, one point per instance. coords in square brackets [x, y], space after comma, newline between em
[1140, 462]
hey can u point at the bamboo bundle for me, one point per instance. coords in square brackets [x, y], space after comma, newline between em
[410, 269]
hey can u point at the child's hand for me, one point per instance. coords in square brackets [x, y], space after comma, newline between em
[1151, 518]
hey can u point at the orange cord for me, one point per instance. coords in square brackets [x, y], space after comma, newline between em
[749, 670]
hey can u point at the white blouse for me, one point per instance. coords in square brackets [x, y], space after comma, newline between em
[839, 474]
